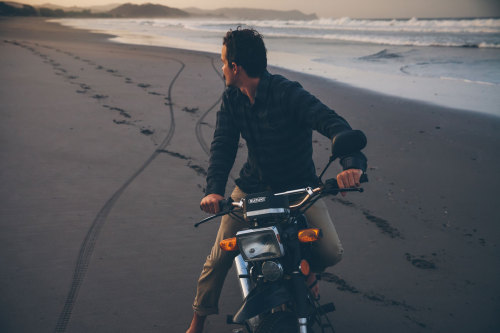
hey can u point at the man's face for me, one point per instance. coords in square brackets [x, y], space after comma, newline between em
[228, 73]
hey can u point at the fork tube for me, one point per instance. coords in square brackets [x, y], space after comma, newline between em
[299, 285]
[246, 287]
[241, 269]
[302, 325]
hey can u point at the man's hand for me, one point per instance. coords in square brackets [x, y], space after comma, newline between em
[210, 203]
[349, 178]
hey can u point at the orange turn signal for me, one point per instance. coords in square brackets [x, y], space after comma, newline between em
[229, 244]
[304, 267]
[309, 235]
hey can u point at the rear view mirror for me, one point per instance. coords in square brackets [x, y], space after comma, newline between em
[347, 142]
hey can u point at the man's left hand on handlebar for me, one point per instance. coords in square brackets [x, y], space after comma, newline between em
[349, 178]
[210, 203]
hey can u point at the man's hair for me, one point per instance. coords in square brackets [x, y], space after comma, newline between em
[246, 48]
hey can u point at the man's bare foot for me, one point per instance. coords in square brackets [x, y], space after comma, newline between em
[196, 324]
[312, 283]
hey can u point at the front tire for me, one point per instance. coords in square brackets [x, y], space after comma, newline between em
[279, 322]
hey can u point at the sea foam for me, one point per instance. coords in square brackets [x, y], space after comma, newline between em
[451, 62]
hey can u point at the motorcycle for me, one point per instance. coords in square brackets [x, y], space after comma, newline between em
[274, 253]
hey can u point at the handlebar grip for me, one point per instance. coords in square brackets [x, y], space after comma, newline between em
[331, 185]
[224, 204]
[364, 178]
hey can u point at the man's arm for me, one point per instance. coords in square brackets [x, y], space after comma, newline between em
[309, 110]
[222, 155]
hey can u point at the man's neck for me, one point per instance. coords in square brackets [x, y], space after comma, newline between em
[249, 88]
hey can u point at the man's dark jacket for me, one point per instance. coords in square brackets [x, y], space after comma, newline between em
[278, 131]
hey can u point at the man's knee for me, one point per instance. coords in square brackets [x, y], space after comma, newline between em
[221, 261]
[334, 257]
[324, 259]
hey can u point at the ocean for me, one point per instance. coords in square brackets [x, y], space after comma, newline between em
[449, 62]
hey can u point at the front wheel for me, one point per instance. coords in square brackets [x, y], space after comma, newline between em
[279, 322]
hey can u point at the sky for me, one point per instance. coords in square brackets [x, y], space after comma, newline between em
[327, 8]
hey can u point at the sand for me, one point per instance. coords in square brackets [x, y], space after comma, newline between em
[103, 153]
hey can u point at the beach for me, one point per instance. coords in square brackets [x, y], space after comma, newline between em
[103, 157]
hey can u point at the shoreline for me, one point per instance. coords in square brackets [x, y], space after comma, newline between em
[103, 158]
[447, 91]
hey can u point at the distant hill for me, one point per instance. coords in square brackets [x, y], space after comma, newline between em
[147, 10]
[93, 9]
[104, 8]
[13, 4]
[112, 10]
[252, 14]
[67, 9]
[8, 8]
[47, 10]
[16, 9]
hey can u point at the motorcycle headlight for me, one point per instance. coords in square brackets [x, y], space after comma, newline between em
[259, 244]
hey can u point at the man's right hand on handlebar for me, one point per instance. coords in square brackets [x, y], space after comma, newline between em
[349, 178]
[210, 203]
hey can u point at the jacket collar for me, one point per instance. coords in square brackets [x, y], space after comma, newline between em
[262, 88]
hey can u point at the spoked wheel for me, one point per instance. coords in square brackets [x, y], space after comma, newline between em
[279, 322]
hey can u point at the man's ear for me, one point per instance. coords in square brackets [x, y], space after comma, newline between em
[234, 68]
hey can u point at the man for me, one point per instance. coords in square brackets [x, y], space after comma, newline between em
[276, 118]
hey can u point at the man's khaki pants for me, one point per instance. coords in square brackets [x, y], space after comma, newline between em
[328, 251]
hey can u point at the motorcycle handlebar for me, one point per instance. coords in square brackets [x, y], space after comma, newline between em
[330, 187]
[364, 178]
[225, 204]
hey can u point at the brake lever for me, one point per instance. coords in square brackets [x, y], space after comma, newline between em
[205, 220]
[331, 186]
[351, 189]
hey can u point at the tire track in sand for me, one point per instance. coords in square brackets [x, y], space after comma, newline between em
[90, 240]
[200, 122]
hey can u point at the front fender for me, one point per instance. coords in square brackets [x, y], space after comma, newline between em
[262, 299]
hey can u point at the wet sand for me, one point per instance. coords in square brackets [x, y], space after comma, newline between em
[103, 154]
